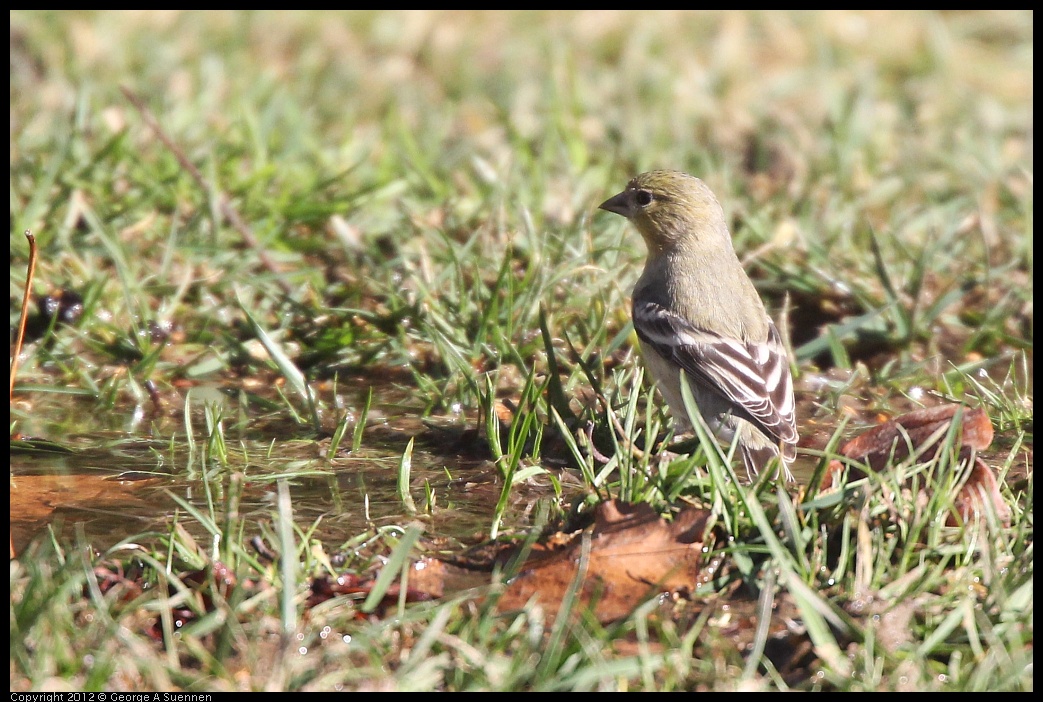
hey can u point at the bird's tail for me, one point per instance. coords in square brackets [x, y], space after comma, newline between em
[756, 459]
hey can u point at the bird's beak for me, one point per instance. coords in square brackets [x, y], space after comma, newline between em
[620, 204]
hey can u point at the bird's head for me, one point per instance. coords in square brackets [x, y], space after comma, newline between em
[669, 208]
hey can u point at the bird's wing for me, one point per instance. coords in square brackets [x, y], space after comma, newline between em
[753, 376]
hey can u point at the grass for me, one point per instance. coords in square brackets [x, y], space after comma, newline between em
[421, 188]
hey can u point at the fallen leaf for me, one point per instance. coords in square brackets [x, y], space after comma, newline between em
[34, 499]
[922, 432]
[631, 554]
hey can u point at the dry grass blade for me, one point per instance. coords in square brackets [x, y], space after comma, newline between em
[229, 212]
[25, 308]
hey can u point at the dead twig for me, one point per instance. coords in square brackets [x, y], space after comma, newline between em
[25, 308]
[227, 210]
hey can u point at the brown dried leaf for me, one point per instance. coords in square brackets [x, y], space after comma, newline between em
[980, 489]
[633, 553]
[922, 432]
[924, 429]
[34, 498]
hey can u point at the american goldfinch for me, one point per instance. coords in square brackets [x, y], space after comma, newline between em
[694, 308]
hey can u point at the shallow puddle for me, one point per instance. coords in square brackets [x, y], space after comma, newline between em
[116, 475]
[109, 485]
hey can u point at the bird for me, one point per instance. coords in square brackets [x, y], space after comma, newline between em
[695, 309]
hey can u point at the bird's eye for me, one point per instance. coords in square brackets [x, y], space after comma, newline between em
[643, 198]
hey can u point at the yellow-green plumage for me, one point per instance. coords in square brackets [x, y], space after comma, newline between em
[695, 308]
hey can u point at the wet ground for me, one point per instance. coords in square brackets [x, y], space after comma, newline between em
[104, 478]
[115, 475]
